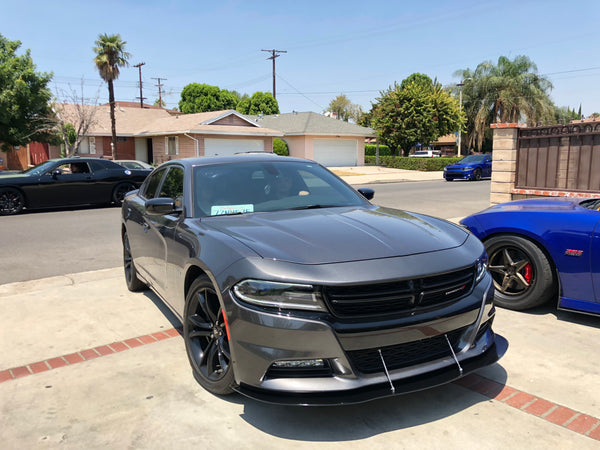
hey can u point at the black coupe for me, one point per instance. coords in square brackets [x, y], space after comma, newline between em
[67, 182]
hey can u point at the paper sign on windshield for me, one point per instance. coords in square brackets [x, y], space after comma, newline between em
[219, 210]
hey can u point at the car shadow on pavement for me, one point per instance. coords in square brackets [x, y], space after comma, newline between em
[565, 316]
[164, 309]
[360, 421]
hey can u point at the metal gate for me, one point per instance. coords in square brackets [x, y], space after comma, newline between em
[559, 157]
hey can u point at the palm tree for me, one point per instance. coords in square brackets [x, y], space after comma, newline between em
[110, 56]
[510, 91]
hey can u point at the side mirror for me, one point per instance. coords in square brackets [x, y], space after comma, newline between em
[161, 206]
[367, 193]
[56, 173]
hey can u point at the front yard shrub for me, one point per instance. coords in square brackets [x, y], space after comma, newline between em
[280, 147]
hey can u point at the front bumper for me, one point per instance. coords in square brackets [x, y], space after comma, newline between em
[458, 174]
[260, 338]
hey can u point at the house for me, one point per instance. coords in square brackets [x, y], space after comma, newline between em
[156, 135]
[323, 139]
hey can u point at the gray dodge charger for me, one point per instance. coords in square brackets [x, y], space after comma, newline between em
[293, 288]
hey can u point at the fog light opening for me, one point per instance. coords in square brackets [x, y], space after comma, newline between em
[300, 364]
[300, 368]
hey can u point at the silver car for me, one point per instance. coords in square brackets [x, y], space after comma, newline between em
[293, 288]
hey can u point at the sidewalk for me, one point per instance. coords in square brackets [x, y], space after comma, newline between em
[87, 364]
[377, 174]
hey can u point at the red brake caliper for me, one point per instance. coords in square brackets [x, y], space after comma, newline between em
[527, 274]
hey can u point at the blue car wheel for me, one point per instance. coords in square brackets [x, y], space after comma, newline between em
[522, 274]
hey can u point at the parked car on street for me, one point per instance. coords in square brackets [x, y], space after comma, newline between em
[543, 250]
[472, 167]
[134, 164]
[293, 288]
[67, 182]
[426, 154]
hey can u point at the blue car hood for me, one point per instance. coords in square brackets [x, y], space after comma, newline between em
[333, 235]
[460, 166]
[541, 204]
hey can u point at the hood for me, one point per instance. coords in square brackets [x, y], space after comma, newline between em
[538, 204]
[460, 166]
[333, 235]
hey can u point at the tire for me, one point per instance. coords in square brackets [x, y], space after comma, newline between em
[134, 284]
[118, 194]
[11, 201]
[477, 175]
[206, 340]
[522, 274]
[449, 179]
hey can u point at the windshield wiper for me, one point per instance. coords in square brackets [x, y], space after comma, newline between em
[314, 206]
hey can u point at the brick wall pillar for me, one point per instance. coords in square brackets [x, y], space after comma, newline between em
[504, 165]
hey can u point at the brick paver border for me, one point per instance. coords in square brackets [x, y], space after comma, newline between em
[546, 410]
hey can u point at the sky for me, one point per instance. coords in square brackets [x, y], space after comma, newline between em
[355, 48]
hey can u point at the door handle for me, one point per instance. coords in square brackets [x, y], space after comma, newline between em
[146, 227]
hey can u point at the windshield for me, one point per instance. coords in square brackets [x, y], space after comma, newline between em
[238, 188]
[41, 169]
[472, 159]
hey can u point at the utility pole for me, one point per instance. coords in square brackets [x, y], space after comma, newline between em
[159, 90]
[141, 97]
[274, 54]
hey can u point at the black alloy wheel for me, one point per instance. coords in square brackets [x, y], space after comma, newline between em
[120, 191]
[134, 284]
[11, 201]
[522, 274]
[206, 339]
[477, 174]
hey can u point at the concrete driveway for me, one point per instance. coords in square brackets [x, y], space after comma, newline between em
[87, 364]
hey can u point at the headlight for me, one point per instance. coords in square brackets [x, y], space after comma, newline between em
[482, 264]
[272, 294]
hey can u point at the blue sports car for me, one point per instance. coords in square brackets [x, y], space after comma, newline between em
[472, 167]
[541, 250]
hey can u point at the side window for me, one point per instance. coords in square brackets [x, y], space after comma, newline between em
[74, 167]
[173, 185]
[152, 184]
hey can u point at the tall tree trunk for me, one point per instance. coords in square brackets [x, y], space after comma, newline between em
[113, 126]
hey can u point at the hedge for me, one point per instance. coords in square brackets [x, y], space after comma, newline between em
[403, 162]
[371, 149]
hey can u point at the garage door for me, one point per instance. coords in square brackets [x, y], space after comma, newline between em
[338, 152]
[227, 147]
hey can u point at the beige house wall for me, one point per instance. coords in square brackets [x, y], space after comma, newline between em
[187, 145]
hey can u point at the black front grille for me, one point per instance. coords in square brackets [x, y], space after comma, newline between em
[406, 354]
[398, 297]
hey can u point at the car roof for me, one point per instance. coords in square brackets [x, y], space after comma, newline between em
[238, 158]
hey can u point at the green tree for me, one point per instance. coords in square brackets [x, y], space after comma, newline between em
[110, 57]
[345, 109]
[510, 91]
[24, 97]
[419, 112]
[258, 103]
[196, 98]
